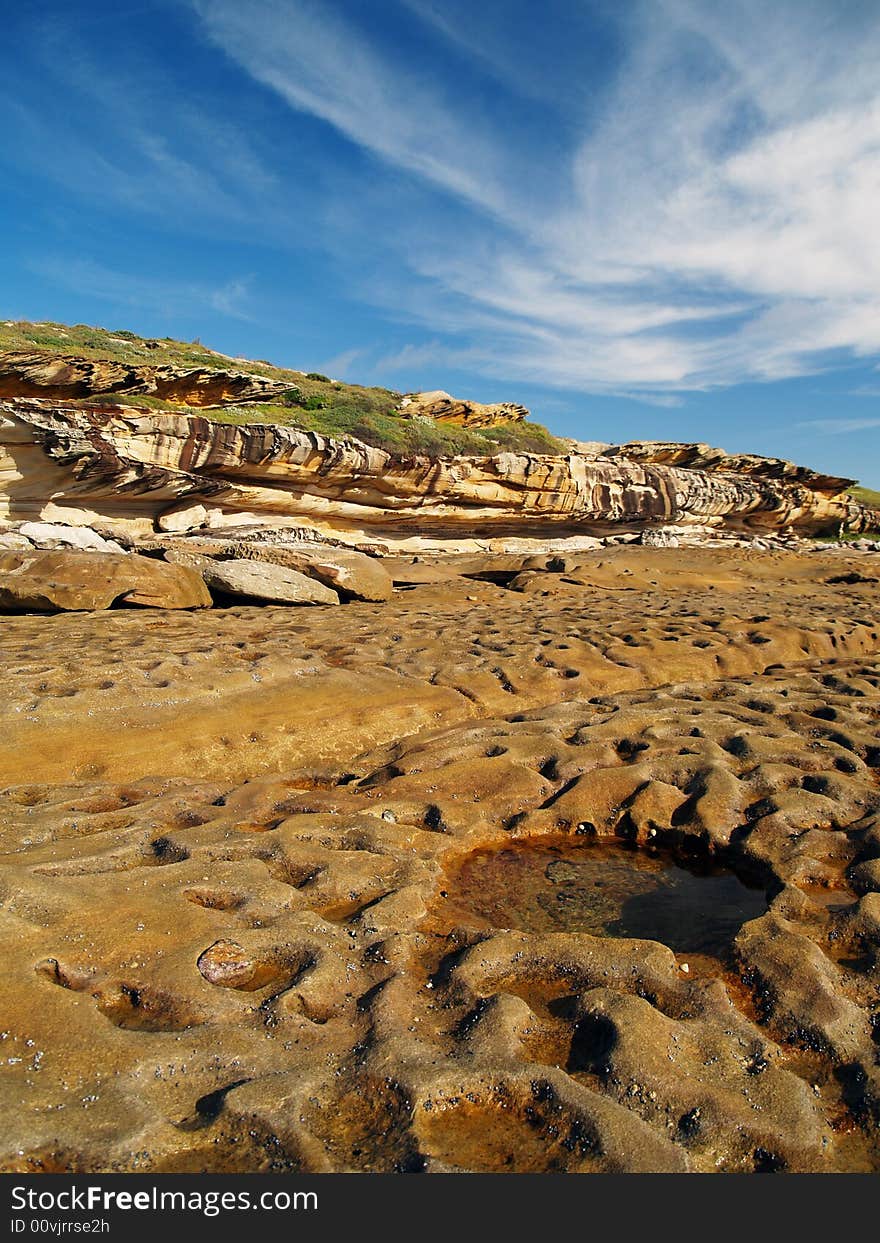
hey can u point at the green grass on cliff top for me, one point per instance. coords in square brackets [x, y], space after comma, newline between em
[329, 407]
[868, 496]
[126, 347]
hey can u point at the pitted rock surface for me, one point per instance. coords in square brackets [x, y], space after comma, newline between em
[231, 843]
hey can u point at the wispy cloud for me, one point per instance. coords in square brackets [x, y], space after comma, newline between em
[690, 203]
[129, 136]
[319, 64]
[831, 427]
[710, 219]
[159, 294]
[554, 69]
[666, 401]
[339, 366]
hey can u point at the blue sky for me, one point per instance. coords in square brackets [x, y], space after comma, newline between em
[642, 218]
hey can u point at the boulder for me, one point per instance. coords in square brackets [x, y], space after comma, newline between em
[256, 580]
[352, 574]
[68, 580]
[53, 534]
[183, 518]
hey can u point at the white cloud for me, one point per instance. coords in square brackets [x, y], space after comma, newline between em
[320, 65]
[339, 366]
[831, 427]
[713, 223]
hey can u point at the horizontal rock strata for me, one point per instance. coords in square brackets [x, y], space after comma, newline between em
[706, 458]
[62, 462]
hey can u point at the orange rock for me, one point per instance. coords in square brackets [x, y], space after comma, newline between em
[63, 581]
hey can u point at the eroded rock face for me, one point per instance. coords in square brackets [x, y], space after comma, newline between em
[132, 467]
[52, 581]
[706, 458]
[445, 409]
[42, 373]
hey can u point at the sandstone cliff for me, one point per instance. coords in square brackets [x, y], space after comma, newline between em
[445, 409]
[132, 467]
[40, 373]
[705, 457]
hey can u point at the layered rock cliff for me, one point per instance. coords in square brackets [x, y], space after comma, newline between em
[707, 458]
[40, 373]
[138, 468]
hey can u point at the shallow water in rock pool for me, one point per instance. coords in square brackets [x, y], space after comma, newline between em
[605, 889]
